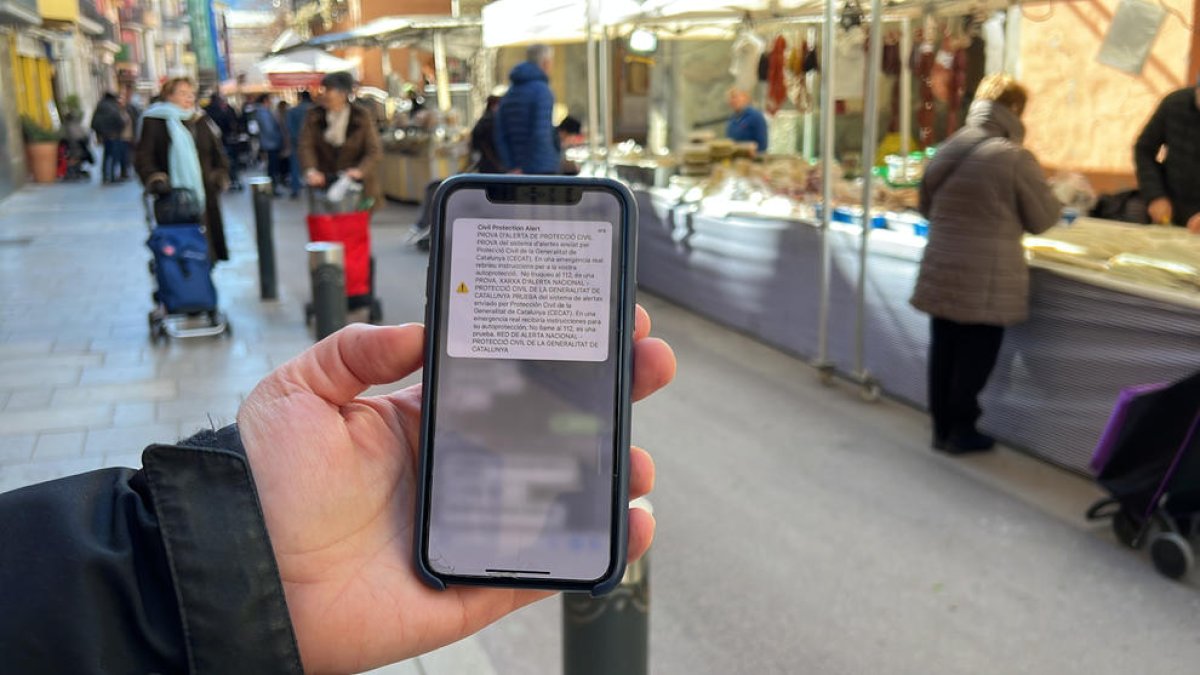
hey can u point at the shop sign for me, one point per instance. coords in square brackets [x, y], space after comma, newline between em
[198, 20]
[295, 80]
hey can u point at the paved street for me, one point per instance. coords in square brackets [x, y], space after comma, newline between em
[800, 530]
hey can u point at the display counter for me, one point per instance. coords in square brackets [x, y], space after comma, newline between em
[410, 163]
[1089, 333]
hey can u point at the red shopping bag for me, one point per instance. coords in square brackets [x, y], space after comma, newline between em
[353, 231]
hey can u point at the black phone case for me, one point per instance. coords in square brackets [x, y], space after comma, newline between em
[628, 288]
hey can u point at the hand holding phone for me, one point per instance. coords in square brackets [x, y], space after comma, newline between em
[525, 431]
[337, 480]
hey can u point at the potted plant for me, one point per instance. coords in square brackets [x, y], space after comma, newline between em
[41, 148]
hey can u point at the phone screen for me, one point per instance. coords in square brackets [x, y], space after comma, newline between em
[524, 434]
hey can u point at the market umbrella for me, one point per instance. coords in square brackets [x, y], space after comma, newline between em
[303, 67]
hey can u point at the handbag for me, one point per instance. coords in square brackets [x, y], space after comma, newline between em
[180, 206]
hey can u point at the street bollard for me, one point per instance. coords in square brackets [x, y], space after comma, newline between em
[610, 634]
[261, 192]
[326, 260]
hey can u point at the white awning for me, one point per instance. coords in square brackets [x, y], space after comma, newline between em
[514, 22]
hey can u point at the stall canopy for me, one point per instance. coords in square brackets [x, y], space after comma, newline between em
[514, 22]
[302, 67]
[690, 18]
[399, 31]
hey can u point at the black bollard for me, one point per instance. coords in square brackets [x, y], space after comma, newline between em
[611, 633]
[261, 194]
[326, 260]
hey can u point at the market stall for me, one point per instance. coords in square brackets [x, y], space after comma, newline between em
[750, 245]
[302, 67]
[420, 146]
[1094, 327]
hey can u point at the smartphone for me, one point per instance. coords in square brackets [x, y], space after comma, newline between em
[528, 367]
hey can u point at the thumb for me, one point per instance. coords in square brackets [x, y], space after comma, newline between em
[345, 364]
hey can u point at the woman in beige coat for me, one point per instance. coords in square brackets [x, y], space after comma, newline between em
[981, 194]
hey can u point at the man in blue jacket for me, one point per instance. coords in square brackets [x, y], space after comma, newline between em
[525, 131]
[270, 139]
[747, 123]
[295, 124]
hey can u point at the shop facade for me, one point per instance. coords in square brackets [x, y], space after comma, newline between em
[17, 19]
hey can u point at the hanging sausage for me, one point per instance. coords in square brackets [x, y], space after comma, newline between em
[776, 87]
[893, 63]
[922, 64]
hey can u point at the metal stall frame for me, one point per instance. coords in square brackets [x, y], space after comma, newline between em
[870, 388]
[824, 366]
[901, 14]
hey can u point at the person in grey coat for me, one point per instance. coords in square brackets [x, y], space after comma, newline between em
[981, 193]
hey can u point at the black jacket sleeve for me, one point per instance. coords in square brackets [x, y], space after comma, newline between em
[163, 570]
[151, 153]
[1150, 174]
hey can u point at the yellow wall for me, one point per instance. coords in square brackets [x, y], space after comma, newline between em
[59, 10]
[1084, 115]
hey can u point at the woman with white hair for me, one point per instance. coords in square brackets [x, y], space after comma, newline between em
[981, 193]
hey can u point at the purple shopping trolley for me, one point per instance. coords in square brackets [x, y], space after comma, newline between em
[1148, 459]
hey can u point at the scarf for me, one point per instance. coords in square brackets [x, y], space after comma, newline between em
[338, 122]
[183, 162]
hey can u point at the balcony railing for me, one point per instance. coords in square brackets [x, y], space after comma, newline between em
[132, 16]
[110, 34]
[87, 9]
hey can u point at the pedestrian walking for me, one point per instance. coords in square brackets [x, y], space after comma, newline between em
[270, 139]
[230, 124]
[339, 136]
[180, 147]
[132, 115]
[282, 177]
[981, 193]
[108, 123]
[294, 121]
[483, 140]
[525, 134]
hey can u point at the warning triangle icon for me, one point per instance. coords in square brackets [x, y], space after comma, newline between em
[462, 287]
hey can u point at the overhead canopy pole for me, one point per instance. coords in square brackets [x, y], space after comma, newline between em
[606, 78]
[827, 159]
[905, 92]
[441, 73]
[593, 95]
[870, 140]
[810, 37]
[385, 67]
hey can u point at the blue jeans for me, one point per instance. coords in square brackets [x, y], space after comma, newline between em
[294, 173]
[114, 158]
[126, 159]
[275, 169]
[231, 152]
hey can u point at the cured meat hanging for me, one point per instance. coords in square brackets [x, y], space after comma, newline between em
[776, 87]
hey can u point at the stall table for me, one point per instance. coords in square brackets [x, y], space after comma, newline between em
[1058, 374]
[407, 169]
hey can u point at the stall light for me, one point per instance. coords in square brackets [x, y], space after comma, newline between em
[643, 41]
